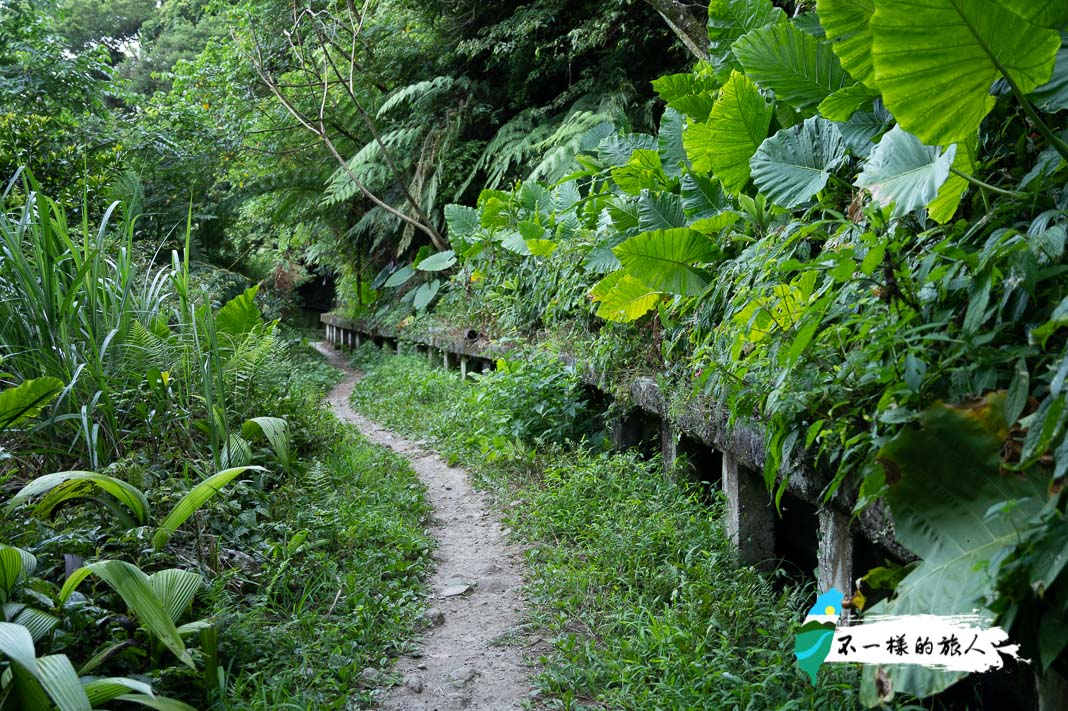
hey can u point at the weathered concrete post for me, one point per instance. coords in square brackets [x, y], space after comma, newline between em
[750, 516]
[445, 358]
[463, 367]
[669, 444]
[835, 552]
[330, 334]
[430, 354]
[358, 339]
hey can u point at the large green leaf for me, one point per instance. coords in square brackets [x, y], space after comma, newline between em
[944, 480]
[437, 262]
[26, 400]
[240, 314]
[736, 127]
[193, 500]
[15, 565]
[134, 588]
[935, 60]
[159, 703]
[944, 206]
[663, 259]
[730, 19]
[463, 222]
[276, 431]
[175, 589]
[1053, 95]
[800, 69]
[903, 171]
[624, 298]
[402, 275]
[846, 25]
[642, 172]
[794, 164]
[702, 197]
[39, 624]
[669, 142]
[660, 211]
[103, 690]
[60, 681]
[68, 486]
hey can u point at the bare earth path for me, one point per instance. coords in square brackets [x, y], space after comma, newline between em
[473, 658]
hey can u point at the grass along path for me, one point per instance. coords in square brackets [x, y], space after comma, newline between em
[473, 657]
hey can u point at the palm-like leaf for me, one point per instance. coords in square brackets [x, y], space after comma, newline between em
[67, 486]
[193, 500]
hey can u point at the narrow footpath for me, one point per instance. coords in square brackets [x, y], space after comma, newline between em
[473, 653]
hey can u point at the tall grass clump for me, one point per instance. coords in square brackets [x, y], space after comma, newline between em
[140, 354]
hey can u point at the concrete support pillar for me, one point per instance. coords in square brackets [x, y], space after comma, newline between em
[445, 358]
[835, 552]
[330, 333]
[669, 444]
[430, 354]
[750, 516]
[626, 432]
[463, 367]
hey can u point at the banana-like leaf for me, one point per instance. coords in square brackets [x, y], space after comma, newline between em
[846, 25]
[945, 204]
[627, 299]
[276, 430]
[160, 703]
[239, 315]
[946, 479]
[176, 589]
[15, 565]
[101, 691]
[660, 211]
[903, 171]
[26, 400]
[730, 19]
[935, 60]
[237, 452]
[193, 500]
[37, 622]
[437, 262]
[663, 260]
[67, 486]
[17, 645]
[134, 588]
[795, 164]
[735, 129]
[62, 684]
[800, 69]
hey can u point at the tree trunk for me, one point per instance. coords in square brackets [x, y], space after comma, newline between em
[690, 28]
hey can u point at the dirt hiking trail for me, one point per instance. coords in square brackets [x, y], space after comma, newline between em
[472, 655]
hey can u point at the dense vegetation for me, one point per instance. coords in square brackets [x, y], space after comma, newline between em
[846, 221]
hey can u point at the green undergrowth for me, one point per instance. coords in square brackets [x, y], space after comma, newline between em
[341, 588]
[337, 585]
[631, 574]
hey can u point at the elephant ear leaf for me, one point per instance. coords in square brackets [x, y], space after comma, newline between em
[943, 516]
[846, 25]
[664, 259]
[800, 69]
[935, 60]
[795, 163]
[904, 172]
[736, 127]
